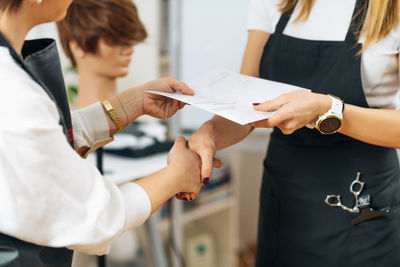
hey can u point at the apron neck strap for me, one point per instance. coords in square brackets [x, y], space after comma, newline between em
[283, 21]
[356, 22]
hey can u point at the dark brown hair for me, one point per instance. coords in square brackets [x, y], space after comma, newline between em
[87, 21]
[10, 5]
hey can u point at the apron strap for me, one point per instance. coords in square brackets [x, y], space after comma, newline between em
[283, 21]
[356, 22]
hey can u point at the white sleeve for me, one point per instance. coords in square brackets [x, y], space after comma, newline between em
[49, 195]
[90, 128]
[263, 15]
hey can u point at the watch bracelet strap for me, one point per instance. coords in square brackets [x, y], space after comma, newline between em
[113, 115]
[337, 106]
[336, 110]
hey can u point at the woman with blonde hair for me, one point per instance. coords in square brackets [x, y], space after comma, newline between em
[330, 190]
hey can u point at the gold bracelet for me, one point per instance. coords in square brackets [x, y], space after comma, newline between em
[113, 115]
[123, 107]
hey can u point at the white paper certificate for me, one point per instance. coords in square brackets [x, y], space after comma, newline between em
[231, 95]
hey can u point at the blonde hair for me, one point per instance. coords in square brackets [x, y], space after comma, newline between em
[381, 16]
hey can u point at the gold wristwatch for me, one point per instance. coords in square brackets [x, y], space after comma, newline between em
[113, 115]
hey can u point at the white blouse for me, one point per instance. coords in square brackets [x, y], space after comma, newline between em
[329, 21]
[49, 195]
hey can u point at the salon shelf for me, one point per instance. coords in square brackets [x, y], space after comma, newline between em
[216, 218]
[204, 210]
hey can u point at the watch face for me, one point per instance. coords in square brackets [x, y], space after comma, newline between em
[330, 125]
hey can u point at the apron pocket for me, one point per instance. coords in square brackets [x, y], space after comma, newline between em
[376, 242]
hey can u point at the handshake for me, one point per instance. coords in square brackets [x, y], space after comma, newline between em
[193, 161]
[190, 161]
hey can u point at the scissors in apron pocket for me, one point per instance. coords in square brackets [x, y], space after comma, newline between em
[362, 203]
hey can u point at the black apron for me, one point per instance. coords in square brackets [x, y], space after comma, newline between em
[296, 227]
[42, 63]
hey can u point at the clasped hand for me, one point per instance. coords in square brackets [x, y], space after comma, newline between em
[190, 165]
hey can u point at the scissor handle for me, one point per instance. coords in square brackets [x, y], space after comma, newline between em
[336, 200]
[356, 182]
[338, 203]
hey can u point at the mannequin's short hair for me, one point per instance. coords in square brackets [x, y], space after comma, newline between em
[10, 4]
[88, 21]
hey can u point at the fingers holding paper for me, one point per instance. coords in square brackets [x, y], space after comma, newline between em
[160, 106]
[294, 110]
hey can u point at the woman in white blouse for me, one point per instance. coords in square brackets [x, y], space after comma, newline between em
[50, 196]
[330, 191]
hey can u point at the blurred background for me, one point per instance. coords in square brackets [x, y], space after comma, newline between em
[187, 38]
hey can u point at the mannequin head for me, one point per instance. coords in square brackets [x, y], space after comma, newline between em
[100, 34]
[98, 37]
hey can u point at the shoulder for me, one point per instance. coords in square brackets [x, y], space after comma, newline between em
[389, 45]
[24, 100]
[396, 36]
[14, 78]
[8, 66]
[11, 74]
[263, 15]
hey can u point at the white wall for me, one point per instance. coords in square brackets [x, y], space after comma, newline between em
[146, 58]
[214, 34]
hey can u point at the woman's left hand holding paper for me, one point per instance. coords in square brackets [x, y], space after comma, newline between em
[294, 110]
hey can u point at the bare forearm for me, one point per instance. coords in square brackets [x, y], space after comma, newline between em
[160, 186]
[225, 132]
[373, 126]
[253, 53]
